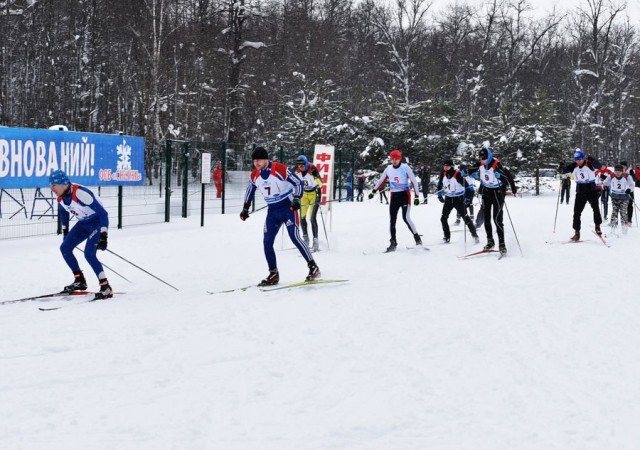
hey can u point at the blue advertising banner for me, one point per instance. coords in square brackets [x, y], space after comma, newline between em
[28, 156]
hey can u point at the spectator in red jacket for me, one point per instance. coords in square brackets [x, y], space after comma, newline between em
[217, 179]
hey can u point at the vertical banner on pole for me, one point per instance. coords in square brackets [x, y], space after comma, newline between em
[323, 159]
[205, 172]
[205, 178]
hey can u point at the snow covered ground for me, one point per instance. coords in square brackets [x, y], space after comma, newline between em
[420, 350]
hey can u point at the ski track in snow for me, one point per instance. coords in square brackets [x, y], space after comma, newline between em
[419, 351]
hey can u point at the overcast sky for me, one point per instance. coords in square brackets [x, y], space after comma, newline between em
[543, 6]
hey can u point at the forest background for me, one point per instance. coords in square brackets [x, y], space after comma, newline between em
[364, 76]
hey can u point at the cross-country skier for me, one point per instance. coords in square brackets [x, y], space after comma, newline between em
[399, 174]
[92, 226]
[626, 169]
[603, 189]
[454, 192]
[311, 185]
[620, 185]
[565, 183]
[584, 174]
[281, 190]
[493, 179]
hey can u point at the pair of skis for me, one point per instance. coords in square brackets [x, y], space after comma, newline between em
[45, 297]
[571, 241]
[481, 253]
[266, 288]
[417, 247]
[54, 296]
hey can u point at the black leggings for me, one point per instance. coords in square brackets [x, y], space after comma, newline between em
[581, 201]
[400, 200]
[493, 201]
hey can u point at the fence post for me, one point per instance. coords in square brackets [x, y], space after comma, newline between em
[339, 175]
[59, 229]
[167, 192]
[185, 177]
[253, 203]
[224, 173]
[120, 207]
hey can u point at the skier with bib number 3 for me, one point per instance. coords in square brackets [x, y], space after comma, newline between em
[92, 226]
[282, 191]
[584, 174]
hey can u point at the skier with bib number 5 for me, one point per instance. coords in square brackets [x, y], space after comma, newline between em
[92, 226]
[399, 174]
[282, 191]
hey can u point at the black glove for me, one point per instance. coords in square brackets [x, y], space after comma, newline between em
[244, 214]
[416, 201]
[295, 204]
[371, 194]
[65, 231]
[603, 176]
[102, 242]
[467, 201]
[514, 190]
[440, 198]
[628, 191]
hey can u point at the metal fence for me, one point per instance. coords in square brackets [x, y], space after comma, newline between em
[173, 189]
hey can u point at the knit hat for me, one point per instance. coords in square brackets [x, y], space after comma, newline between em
[448, 162]
[579, 154]
[617, 168]
[484, 153]
[59, 177]
[303, 160]
[395, 154]
[260, 153]
[624, 163]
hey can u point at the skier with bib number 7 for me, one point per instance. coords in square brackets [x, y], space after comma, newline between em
[282, 191]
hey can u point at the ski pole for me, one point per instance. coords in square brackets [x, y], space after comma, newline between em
[138, 267]
[464, 231]
[325, 228]
[557, 204]
[512, 227]
[121, 276]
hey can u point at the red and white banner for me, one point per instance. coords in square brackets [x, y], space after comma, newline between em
[323, 159]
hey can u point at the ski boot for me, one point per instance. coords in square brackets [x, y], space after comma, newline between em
[476, 239]
[489, 246]
[417, 238]
[502, 248]
[272, 279]
[598, 231]
[446, 240]
[576, 236]
[315, 246]
[314, 271]
[79, 284]
[392, 246]
[457, 222]
[105, 290]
